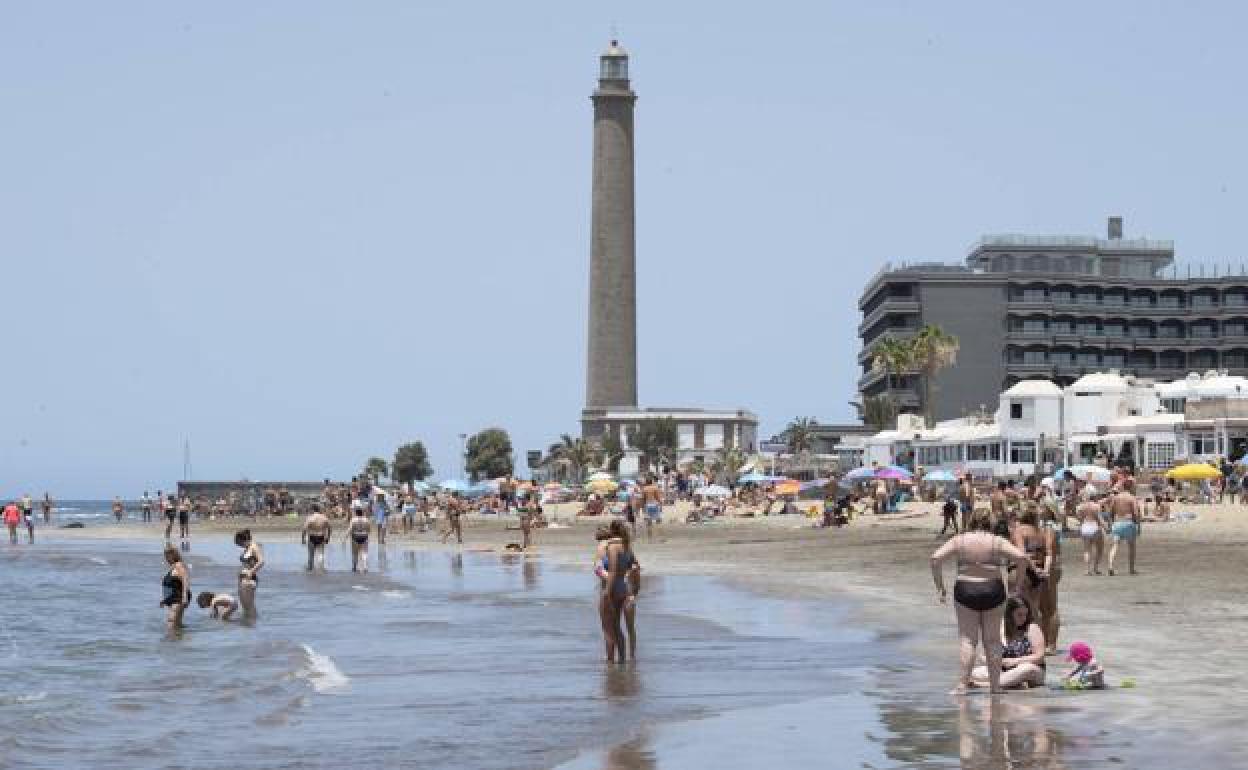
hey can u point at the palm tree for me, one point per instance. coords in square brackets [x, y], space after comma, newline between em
[727, 464]
[612, 452]
[932, 349]
[880, 412]
[656, 440]
[801, 434]
[894, 357]
[575, 453]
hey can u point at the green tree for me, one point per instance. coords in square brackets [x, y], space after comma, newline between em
[411, 463]
[727, 464]
[880, 412]
[612, 452]
[801, 434]
[656, 440]
[488, 455]
[575, 454]
[376, 468]
[932, 349]
[894, 357]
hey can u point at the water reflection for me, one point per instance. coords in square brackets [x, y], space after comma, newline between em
[633, 755]
[621, 681]
[981, 732]
[530, 571]
[457, 565]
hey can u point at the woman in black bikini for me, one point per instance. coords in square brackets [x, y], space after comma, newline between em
[252, 559]
[978, 594]
[175, 587]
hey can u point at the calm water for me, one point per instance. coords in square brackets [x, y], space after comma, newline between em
[475, 660]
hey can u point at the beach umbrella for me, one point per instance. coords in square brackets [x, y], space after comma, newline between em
[817, 483]
[455, 485]
[940, 474]
[421, 486]
[713, 490]
[788, 487]
[754, 477]
[600, 476]
[1090, 473]
[860, 474]
[602, 486]
[893, 472]
[1193, 472]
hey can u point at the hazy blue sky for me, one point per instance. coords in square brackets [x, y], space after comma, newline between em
[299, 233]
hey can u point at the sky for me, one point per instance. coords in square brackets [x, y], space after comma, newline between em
[297, 234]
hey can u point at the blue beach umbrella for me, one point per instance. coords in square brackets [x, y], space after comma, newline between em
[940, 474]
[754, 477]
[860, 474]
[455, 485]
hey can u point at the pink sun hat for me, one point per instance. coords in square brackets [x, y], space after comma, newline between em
[1080, 652]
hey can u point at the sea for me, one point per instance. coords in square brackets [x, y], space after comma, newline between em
[463, 659]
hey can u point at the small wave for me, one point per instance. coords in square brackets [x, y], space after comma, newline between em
[322, 673]
[15, 700]
[397, 594]
[359, 588]
[96, 560]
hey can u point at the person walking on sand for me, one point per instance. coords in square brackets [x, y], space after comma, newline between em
[978, 594]
[652, 499]
[1092, 532]
[381, 509]
[1124, 512]
[317, 530]
[12, 517]
[175, 587]
[358, 530]
[28, 517]
[454, 510]
[1051, 622]
[251, 560]
[146, 507]
[47, 508]
[119, 509]
[966, 499]
[526, 525]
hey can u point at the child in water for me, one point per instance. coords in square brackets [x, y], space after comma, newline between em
[222, 605]
[1088, 674]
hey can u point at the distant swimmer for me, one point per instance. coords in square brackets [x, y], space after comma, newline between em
[47, 508]
[317, 530]
[175, 587]
[358, 530]
[119, 509]
[252, 559]
[12, 517]
[221, 605]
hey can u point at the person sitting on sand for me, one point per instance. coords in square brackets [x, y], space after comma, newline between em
[1088, 674]
[358, 530]
[1022, 649]
[221, 605]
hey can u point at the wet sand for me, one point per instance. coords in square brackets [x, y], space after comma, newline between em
[1177, 628]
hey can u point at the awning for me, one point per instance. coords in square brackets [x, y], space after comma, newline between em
[1096, 438]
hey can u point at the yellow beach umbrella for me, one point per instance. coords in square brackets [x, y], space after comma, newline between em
[602, 486]
[1193, 472]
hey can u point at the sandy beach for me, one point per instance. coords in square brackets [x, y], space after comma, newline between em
[1176, 628]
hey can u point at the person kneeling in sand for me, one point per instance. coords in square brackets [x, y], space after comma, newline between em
[221, 605]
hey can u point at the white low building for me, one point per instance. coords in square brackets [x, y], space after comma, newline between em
[1103, 417]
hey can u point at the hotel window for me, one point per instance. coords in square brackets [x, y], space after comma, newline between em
[1114, 298]
[1061, 295]
[1033, 295]
[1202, 444]
[1089, 329]
[1034, 326]
[1160, 456]
[1062, 357]
[1204, 300]
[1236, 299]
[1115, 330]
[1116, 360]
[1170, 300]
[1234, 329]
[1204, 330]
[1062, 327]
[1023, 452]
[1087, 298]
[1033, 357]
[1016, 410]
[1088, 359]
[929, 455]
[1173, 405]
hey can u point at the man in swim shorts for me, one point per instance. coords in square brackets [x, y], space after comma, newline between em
[316, 533]
[358, 531]
[1124, 511]
[652, 498]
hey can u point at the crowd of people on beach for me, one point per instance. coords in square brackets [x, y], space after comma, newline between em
[1022, 530]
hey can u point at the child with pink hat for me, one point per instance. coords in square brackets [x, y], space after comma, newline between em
[1087, 673]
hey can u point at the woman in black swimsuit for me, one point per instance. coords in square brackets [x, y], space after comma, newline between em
[978, 594]
[1022, 648]
[252, 559]
[175, 587]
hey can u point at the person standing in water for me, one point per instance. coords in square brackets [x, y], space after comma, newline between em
[252, 559]
[381, 509]
[175, 587]
[979, 593]
[652, 498]
[317, 530]
[184, 521]
[358, 530]
[618, 593]
[146, 507]
[12, 517]
[1124, 511]
[966, 500]
[119, 509]
[168, 509]
[47, 508]
[454, 510]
